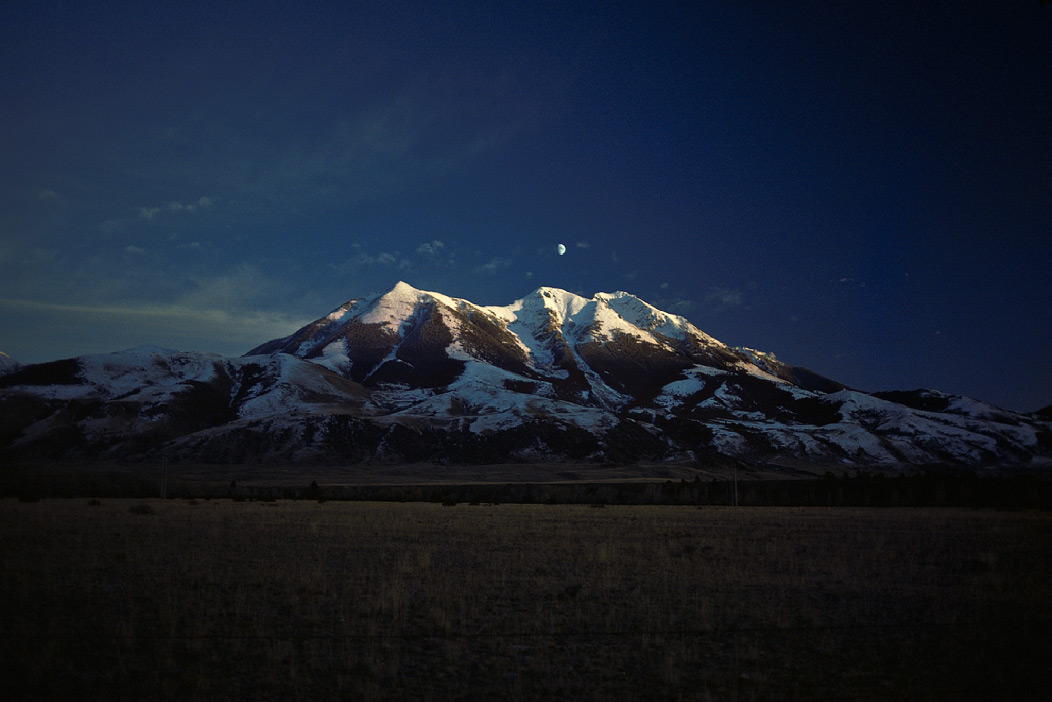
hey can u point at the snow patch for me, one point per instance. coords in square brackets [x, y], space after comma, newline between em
[334, 357]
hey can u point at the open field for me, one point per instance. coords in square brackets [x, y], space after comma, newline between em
[215, 599]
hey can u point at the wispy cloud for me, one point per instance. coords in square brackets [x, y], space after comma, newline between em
[243, 287]
[408, 136]
[151, 311]
[430, 248]
[436, 255]
[228, 314]
[202, 203]
[364, 259]
[113, 226]
[409, 140]
[105, 327]
[148, 213]
[493, 265]
[677, 303]
[724, 298]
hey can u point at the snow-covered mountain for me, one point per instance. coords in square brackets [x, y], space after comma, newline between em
[610, 351]
[7, 364]
[410, 375]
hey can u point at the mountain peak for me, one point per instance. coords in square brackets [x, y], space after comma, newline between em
[8, 364]
[564, 304]
[396, 305]
[403, 289]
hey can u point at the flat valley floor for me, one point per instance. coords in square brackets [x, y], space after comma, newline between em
[223, 600]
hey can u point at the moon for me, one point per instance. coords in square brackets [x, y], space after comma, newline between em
[561, 249]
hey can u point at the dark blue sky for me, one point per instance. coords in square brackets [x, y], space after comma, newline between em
[864, 189]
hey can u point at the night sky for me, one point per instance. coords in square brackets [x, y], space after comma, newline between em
[864, 189]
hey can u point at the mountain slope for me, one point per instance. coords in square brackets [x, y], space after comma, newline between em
[410, 375]
[8, 364]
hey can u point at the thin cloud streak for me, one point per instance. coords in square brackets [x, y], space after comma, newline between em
[93, 326]
[248, 318]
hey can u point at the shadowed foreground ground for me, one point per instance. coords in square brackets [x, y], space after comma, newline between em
[303, 600]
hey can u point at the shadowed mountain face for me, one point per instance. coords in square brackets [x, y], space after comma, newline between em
[410, 375]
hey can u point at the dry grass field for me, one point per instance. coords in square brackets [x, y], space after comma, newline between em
[180, 599]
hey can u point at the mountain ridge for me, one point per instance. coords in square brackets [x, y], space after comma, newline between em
[411, 375]
[547, 329]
